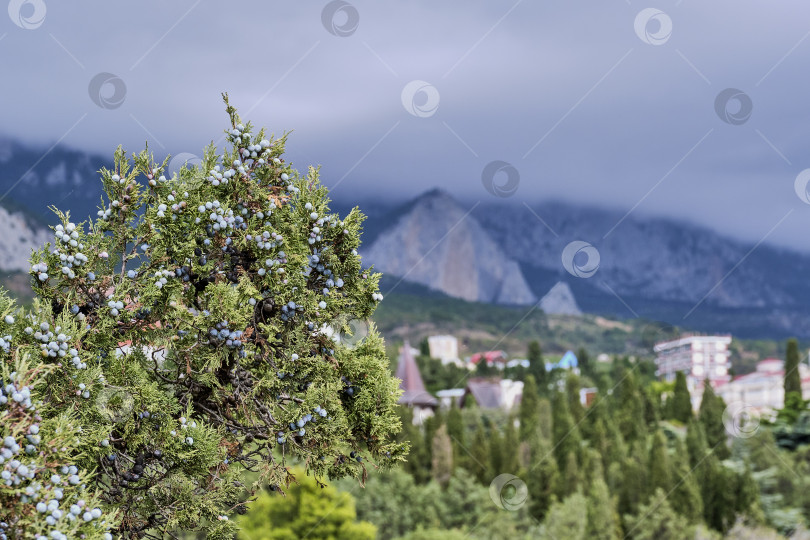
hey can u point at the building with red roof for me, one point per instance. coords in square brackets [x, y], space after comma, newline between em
[491, 357]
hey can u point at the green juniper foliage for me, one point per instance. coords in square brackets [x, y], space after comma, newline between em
[42, 492]
[191, 338]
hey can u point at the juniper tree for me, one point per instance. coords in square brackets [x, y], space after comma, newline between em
[195, 332]
[43, 494]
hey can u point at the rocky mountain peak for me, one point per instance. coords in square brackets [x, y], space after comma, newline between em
[437, 243]
[560, 300]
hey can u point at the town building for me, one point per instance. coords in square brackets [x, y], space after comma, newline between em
[700, 358]
[763, 390]
[493, 393]
[568, 362]
[492, 358]
[414, 394]
[588, 396]
[518, 362]
[450, 397]
[444, 348]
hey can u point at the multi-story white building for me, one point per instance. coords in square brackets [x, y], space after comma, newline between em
[763, 390]
[699, 358]
[445, 348]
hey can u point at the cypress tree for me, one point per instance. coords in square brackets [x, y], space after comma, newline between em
[545, 419]
[429, 426]
[537, 366]
[455, 430]
[696, 443]
[592, 466]
[529, 411]
[793, 382]
[657, 520]
[584, 362]
[497, 457]
[510, 448]
[572, 388]
[633, 481]
[710, 415]
[617, 447]
[543, 480]
[479, 455]
[572, 478]
[660, 473]
[651, 407]
[716, 492]
[603, 519]
[685, 496]
[442, 460]
[681, 401]
[424, 348]
[566, 437]
[564, 519]
[629, 407]
[746, 494]
[599, 441]
[419, 460]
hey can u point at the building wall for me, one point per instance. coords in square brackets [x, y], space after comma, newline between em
[699, 357]
[763, 390]
[445, 348]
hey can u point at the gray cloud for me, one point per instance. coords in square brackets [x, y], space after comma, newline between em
[620, 120]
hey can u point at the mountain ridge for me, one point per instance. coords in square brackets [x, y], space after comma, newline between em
[658, 268]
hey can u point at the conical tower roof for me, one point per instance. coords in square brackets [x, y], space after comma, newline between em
[411, 383]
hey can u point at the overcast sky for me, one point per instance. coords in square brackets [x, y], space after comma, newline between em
[611, 102]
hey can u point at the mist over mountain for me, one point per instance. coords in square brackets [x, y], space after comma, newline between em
[506, 252]
[32, 178]
[649, 267]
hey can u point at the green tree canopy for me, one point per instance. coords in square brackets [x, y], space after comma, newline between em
[307, 511]
[199, 328]
[681, 408]
[710, 415]
[657, 520]
[793, 382]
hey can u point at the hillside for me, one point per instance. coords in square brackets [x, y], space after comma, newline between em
[410, 314]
